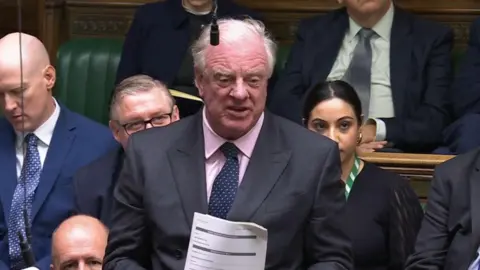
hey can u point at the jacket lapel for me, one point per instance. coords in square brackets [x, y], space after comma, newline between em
[60, 144]
[188, 168]
[268, 161]
[8, 165]
[475, 205]
[329, 42]
[401, 50]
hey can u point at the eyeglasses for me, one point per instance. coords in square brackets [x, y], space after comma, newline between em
[158, 121]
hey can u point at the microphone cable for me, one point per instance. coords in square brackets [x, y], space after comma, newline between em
[25, 242]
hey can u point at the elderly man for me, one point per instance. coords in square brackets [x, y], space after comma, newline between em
[42, 145]
[273, 172]
[159, 37]
[79, 243]
[138, 103]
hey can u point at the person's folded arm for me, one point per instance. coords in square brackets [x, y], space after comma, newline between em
[423, 129]
[327, 245]
[432, 240]
[128, 245]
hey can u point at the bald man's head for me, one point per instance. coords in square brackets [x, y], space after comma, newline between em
[79, 243]
[38, 81]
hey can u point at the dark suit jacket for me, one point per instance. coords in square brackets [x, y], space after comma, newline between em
[94, 186]
[159, 38]
[420, 70]
[76, 141]
[465, 94]
[291, 187]
[450, 232]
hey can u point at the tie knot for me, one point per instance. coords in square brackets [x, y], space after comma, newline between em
[229, 150]
[366, 33]
[31, 139]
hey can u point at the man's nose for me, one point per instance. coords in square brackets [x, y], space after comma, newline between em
[240, 91]
[148, 125]
[10, 104]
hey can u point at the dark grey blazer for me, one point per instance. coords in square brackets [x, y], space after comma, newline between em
[450, 232]
[291, 186]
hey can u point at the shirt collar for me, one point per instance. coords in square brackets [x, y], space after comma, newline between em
[245, 144]
[44, 132]
[383, 28]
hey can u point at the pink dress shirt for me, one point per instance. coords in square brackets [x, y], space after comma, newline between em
[214, 158]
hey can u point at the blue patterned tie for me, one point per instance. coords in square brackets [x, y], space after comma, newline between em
[28, 181]
[226, 183]
[359, 71]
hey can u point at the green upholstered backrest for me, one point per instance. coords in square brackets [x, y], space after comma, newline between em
[283, 51]
[86, 70]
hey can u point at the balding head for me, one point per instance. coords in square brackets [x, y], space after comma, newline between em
[38, 81]
[79, 242]
[34, 55]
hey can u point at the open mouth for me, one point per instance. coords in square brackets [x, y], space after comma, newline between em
[238, 111]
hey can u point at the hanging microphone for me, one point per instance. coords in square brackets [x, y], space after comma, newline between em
[25, 242]
[214, 32]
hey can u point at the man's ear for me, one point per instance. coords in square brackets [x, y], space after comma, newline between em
[115, 129]
[175, 113]
[50, 76]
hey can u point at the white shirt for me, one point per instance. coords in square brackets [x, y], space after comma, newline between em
[475, 264]
[44, 134]
[381, 102]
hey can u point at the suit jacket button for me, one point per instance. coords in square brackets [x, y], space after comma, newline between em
[178, 254]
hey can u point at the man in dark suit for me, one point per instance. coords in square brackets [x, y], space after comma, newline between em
[449, 238]
[139, 102]
[401, 68]
[159, 39]
[42, 145]
[232, 160]
[462, 135]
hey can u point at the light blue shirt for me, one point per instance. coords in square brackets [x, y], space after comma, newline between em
[475, 265]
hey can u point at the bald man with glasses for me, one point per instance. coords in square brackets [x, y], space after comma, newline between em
[138, 103]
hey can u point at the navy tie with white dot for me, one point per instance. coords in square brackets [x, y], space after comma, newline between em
[29, 178]
[226, 183]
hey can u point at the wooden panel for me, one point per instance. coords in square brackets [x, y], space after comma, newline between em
[418, 168]
[113, 17]
[32, 15]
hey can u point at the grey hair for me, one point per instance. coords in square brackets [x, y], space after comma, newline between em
[136, 84]
[235, 31]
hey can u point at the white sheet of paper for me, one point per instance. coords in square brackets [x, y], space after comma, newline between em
[218, 244]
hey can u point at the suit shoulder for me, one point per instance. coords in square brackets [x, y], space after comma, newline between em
[167, 135]
[383, 177]
[89, 131]
[321, 20]
[100, 163]
[426, 27]
[459, 163]
[151, 8]
[301, 138]
[152, 12]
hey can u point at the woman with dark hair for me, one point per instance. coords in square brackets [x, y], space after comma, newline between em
[383, 213]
